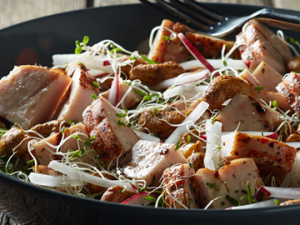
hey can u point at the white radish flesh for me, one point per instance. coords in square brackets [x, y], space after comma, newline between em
[192, 118]
[88, 177]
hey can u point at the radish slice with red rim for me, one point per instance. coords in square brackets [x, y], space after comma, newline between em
[138, 199]
[195, 53]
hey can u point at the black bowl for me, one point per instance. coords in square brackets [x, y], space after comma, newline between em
[129, 25]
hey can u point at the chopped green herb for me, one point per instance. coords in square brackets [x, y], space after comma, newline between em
[213, 120]
[250, 196]
[148, 60]
[123, 191]
[142, 190]
[167, 38]
[121, 123]
[277, 203]
[275, 105]
[217, 149]
[121, 115]
[211, 185]
[188, 138]
[72, 122]
[133, 57]
[75, 136]
[191, 165]
[78, 50]
[97, 195]
[224, 63]
[293, 41]
[85, 40]
[140, 92]
[94, 96]
[154, 111]
[259, 88]
[150, 198]
[263, 70]
[30, 162]
[232, 200]
[262, 133]
[125, 109]
[95, 83]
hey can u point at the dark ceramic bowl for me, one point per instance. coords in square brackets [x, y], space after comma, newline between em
[35, 42]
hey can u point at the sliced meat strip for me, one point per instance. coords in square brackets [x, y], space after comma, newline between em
[101, 121]
[271, 156]
[152, 74]
[289, 89]
[164, 49]
[228, 185]
[147, 160]
[82, 89]
[267, 76]
[179, 188]
[261, 44]
[116, 194]
[246, 114]
[30, 95]
[211, 47]
[12, 142]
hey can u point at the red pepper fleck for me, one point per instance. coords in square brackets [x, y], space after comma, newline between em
[264, 140]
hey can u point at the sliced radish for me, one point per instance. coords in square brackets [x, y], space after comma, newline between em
[213, 134]
[184, 78]
[138, 199]
[292, 179]
[263, 204]
[186, 90]
[70, 171]
[195, 53]
[148, 137]
[54, 180]
[192, 118]
[106, 63]
[216, 63]
[278, 192]
[113, 97]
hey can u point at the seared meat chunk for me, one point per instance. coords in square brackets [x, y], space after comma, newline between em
[170, 48]
[101, 121]
[147, 160]
[81, 92]
[156, 124]
[211, 47]
[152, 74]
[30, 95]
[179, 188]
[225, 87]
[164, 50]
[229, 184]
[116, 194]
[289, 89]
[45, 153]
[48, 128]
[270, 96]
[246, 114]
[263, 45]
[12, 141]
[271, 156]
[267, 77]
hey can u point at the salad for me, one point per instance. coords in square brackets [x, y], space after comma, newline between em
[198, 122]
